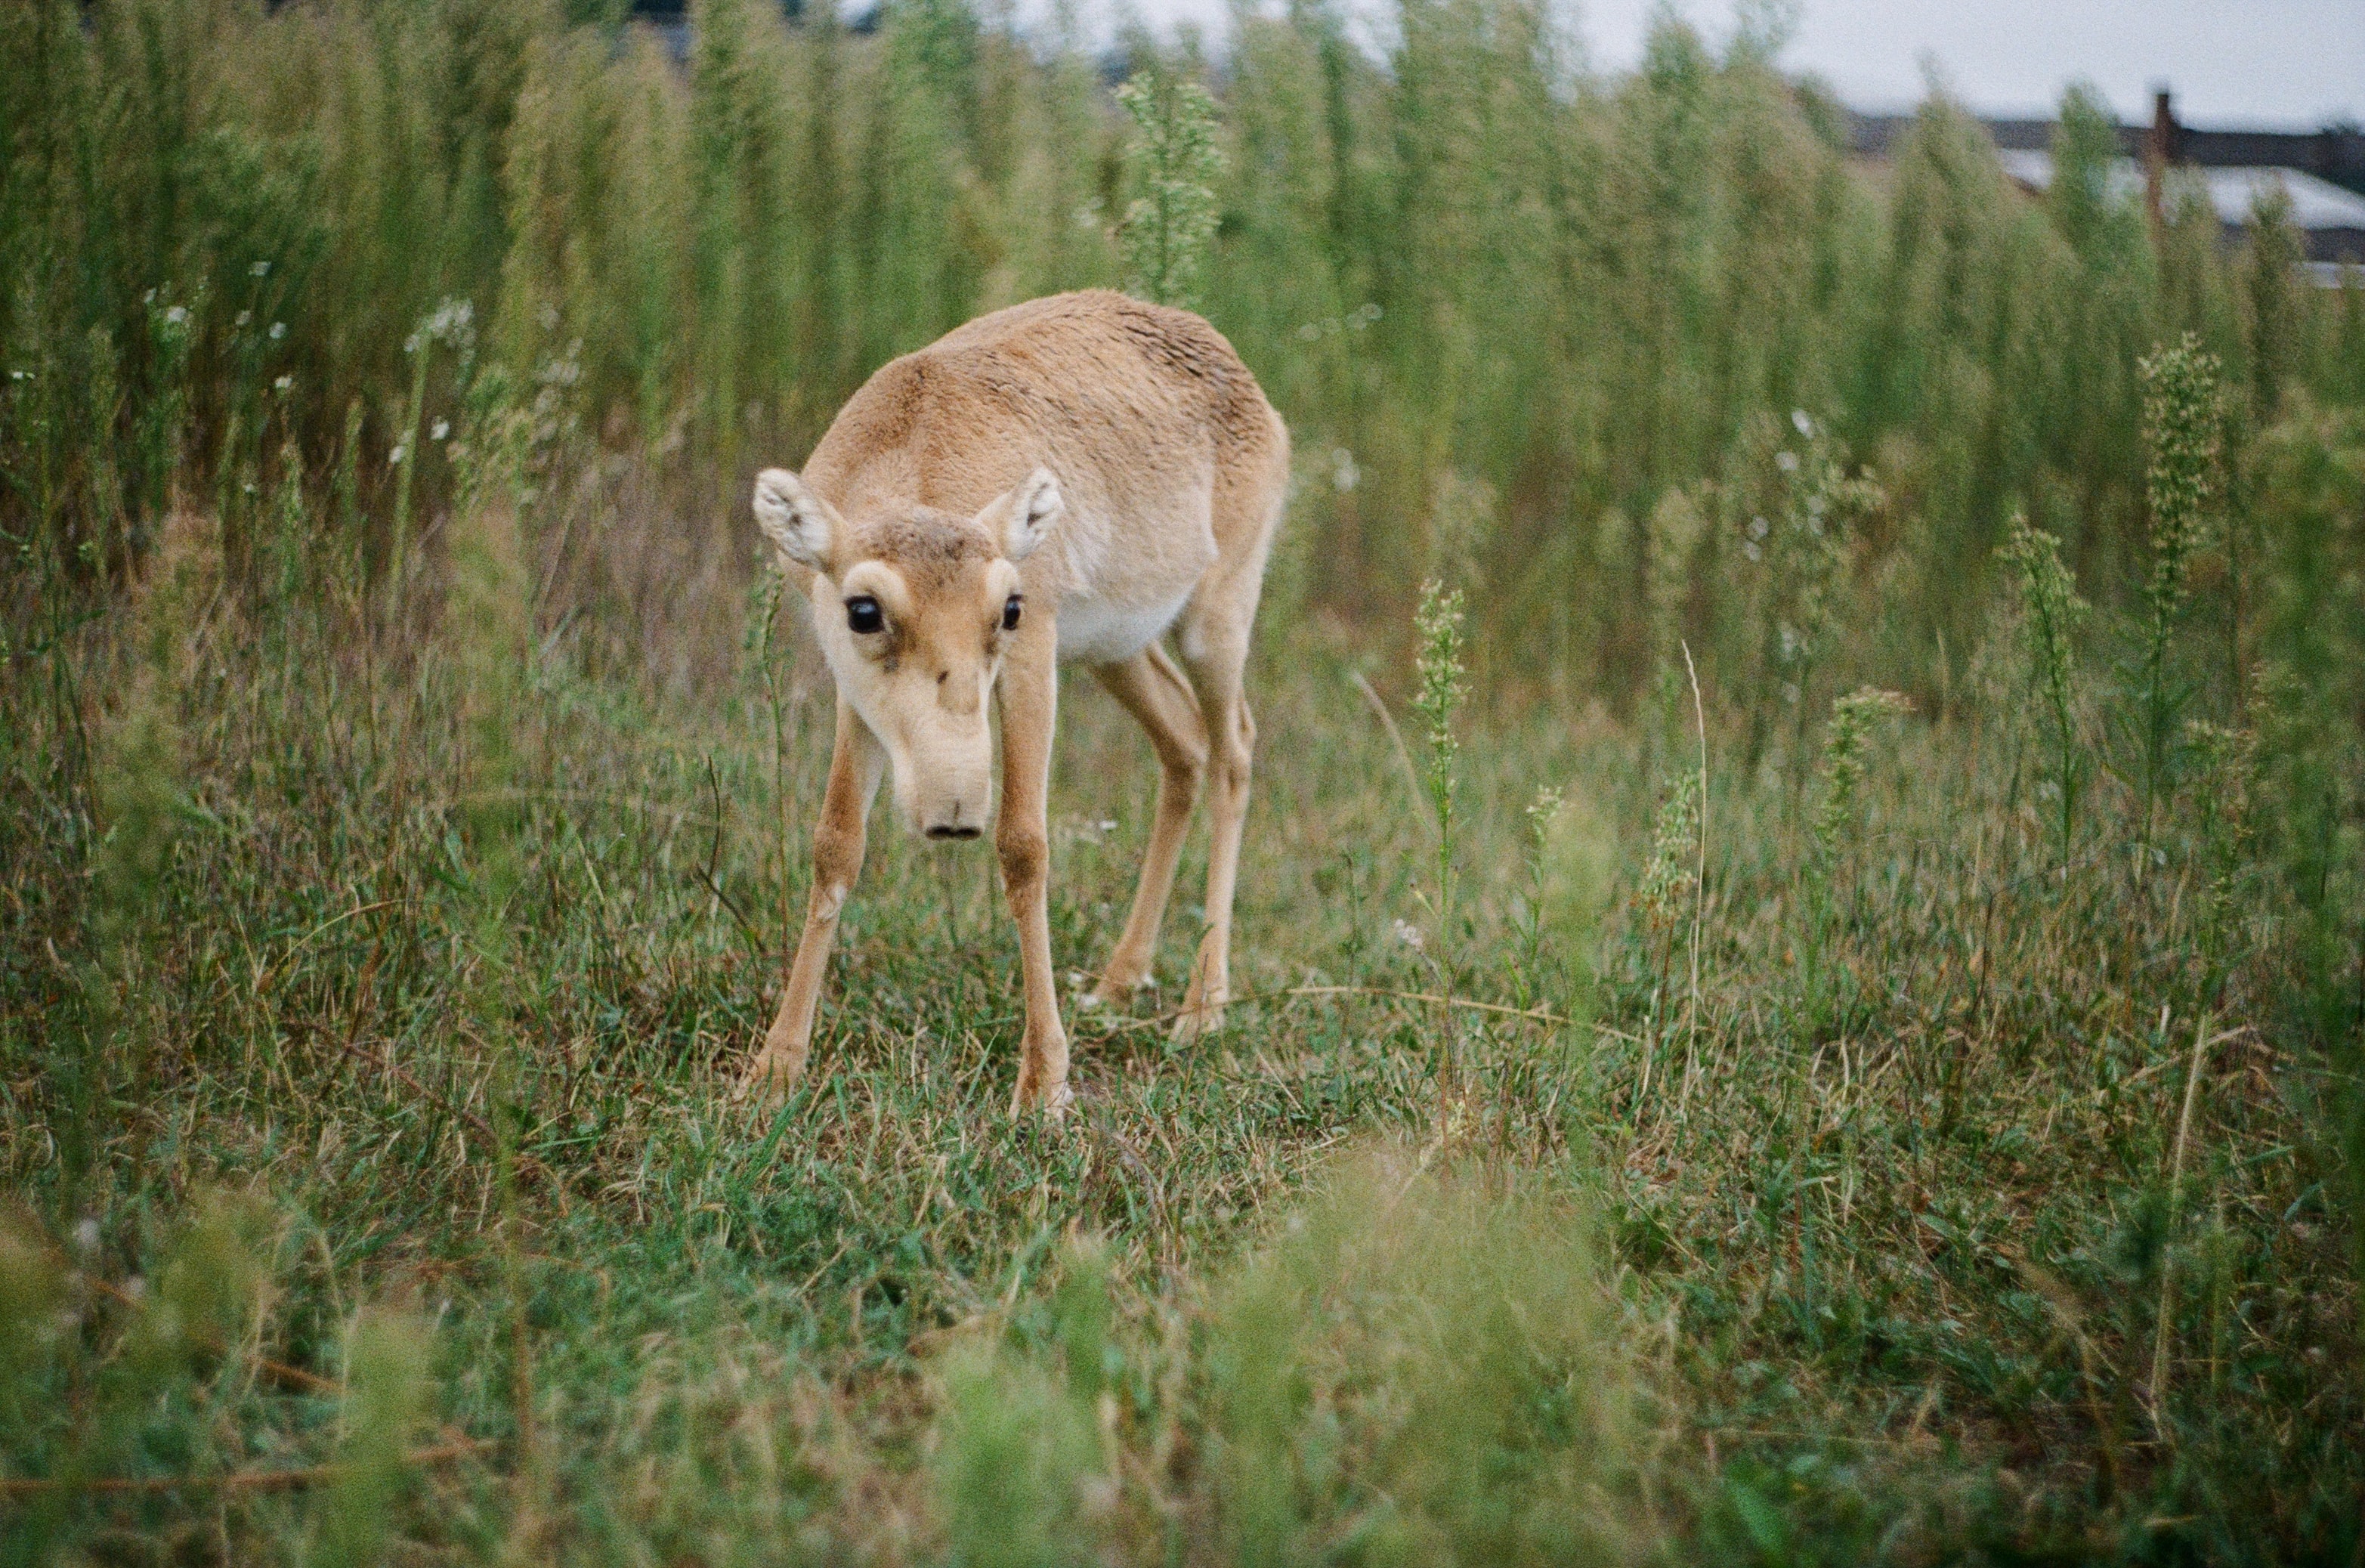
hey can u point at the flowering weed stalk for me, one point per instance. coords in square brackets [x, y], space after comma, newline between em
[2050, 614]
[1172, 160]
[1443, 684]
[1669, 884]
[1844, 745]
[2184, 425]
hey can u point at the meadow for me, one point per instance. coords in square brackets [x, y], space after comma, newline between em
[1801, 947]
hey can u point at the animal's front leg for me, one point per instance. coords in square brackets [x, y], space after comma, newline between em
[854, 770]
[1029, 700]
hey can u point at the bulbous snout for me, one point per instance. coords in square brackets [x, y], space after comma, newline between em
[954, 815]
[945, 785]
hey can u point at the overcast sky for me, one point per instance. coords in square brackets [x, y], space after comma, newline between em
[2283, 62]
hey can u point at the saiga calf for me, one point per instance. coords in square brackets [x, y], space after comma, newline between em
[1063, 481]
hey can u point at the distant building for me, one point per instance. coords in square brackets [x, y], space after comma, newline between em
[2324, 170]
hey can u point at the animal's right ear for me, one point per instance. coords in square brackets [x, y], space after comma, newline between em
[800, 525]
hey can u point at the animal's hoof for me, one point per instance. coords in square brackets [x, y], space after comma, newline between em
[1054, 1104]
[763, 1085]
[1196, 1023]
[1118, 986]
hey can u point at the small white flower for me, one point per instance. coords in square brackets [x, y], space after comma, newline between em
[1409, 934]
[440, 429]
[178, 316]
[1805, 426]
[242, 317]
[282, 384]
[1787, 461]
[278, 331]
[85, 1234]
[1107, 825]
[1750, 549]
[398, 454]
[1758, 527]
[260, 269]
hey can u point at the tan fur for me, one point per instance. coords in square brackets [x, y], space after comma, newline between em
[1116, 465]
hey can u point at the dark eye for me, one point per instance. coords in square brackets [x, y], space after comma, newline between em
[862, 616]
[1010, 608]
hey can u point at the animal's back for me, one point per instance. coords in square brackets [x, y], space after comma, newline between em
[1145, 414]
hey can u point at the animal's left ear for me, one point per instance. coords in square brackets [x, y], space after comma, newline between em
[800, 525]
[1028, 512]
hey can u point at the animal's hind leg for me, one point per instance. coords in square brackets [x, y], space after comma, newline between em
[1155, 693]
[1216, 667]
[1213, 642]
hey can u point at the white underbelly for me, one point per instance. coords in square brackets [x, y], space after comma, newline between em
[1097, 633]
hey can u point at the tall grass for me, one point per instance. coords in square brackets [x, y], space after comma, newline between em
[1468, 258]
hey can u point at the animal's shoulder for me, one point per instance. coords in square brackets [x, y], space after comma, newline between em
[1089, 346]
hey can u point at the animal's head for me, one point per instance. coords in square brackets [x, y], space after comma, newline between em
[916, 610]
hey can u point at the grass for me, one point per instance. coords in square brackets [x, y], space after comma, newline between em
[1875, 1259]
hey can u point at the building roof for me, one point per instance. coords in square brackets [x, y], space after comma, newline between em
[2316, 205]
[2333, 154]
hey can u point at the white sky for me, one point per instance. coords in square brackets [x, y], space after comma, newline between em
[2269, 63]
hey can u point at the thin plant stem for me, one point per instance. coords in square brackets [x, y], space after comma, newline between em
[2201, 1043]
[1699, 886]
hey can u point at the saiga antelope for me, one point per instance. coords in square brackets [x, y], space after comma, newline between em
[1063, 481]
